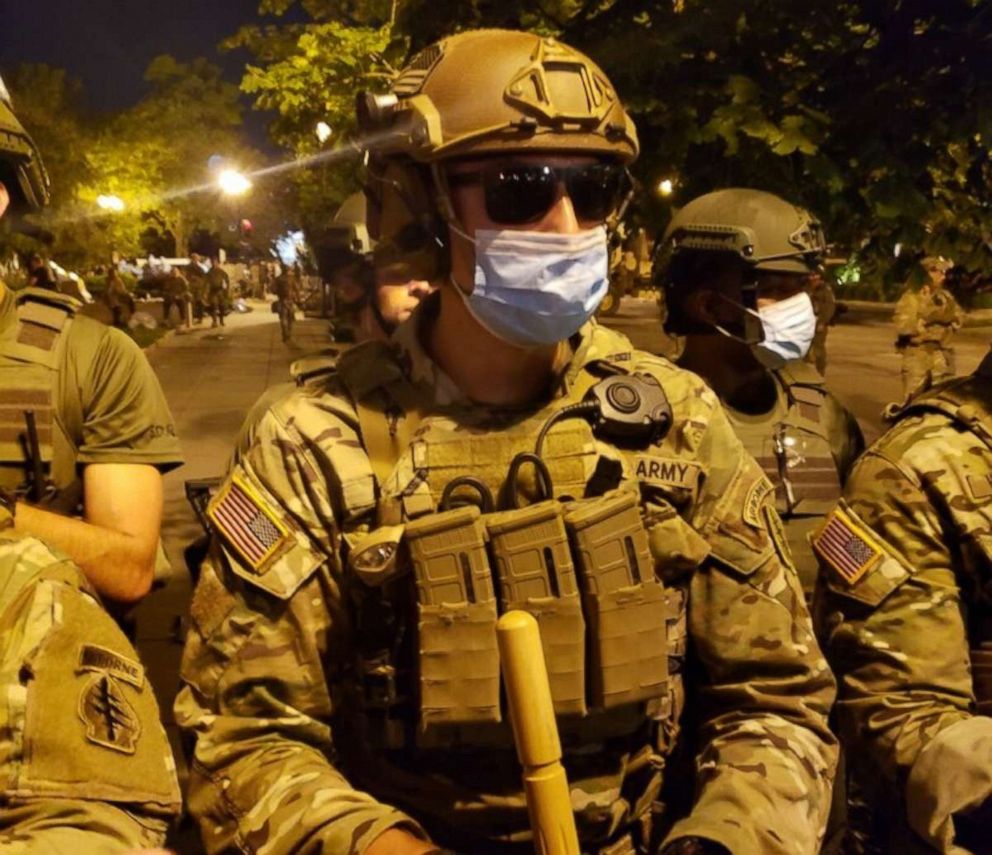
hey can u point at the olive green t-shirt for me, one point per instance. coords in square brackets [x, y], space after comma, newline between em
[108, 402]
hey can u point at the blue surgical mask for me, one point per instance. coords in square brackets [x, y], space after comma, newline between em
[536, 288]
[789, 326]
[787, 329]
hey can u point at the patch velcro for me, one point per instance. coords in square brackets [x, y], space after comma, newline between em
[241, 517]
[846, 547]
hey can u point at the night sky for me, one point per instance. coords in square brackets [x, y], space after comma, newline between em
[109, 43]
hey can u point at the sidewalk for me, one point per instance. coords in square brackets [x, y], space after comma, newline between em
[211, 377]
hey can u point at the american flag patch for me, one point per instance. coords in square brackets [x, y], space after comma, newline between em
[245, 523]
[845, 547]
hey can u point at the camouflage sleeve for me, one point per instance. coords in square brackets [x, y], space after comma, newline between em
[268, 649]
[889, 609]
[767, 761]
[906, 315]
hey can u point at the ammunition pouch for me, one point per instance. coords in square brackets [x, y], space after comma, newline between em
[456, 619]
[582, 569]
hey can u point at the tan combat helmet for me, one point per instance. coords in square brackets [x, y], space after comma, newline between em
[21, 169]
[345, 240]
[476, 93]
[765, 231]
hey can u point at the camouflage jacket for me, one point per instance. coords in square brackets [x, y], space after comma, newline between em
[928, 316]
[905, 590]
[282, 762]
[85, 764]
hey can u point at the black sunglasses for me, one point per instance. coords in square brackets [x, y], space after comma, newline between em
[524, 192]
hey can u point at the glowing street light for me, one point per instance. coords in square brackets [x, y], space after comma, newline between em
[666, 187]
[323, 131]
[233, 183]
[110, 203]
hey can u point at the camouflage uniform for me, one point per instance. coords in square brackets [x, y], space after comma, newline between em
[904, 594]
[84, 762]
[218, 288]
[296, 674]
[812, 440]
[925, 322]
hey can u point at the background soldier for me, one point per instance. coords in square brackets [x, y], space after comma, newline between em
[104, 431]
[736, 284]
[287, 291]
[119, 299]
[175, 292]
[218, 291]
[296, 636]
[905, 612]
[926, 320]
[84, 763]
[198, 287]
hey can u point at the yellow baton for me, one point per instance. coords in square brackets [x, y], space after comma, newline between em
[535, 732]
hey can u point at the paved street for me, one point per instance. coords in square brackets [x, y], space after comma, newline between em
[212, 377]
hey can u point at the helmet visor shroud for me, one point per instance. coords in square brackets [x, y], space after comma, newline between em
[21, 169]
[751, 231]
[488, 95]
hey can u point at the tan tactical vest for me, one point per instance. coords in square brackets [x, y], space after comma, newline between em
[29, 383]
[614, 634]
[968, 402]
[792, 445]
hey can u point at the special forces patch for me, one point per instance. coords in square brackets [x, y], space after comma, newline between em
[846, 547]
[103, 706]
[246, 524]
[108, 715]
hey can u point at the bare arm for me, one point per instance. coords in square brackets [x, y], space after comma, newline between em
[116, 543]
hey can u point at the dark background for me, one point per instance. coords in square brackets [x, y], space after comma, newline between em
[108, 43]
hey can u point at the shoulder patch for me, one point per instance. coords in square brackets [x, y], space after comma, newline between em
[847, 547]
[247, 525]
[755, 498]
[92, 657]
[666, 471]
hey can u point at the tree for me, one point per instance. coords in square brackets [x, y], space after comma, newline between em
[310, 73]
[876, 114]
[155, 155]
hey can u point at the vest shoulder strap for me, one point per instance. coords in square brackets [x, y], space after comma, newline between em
[966, 400]
[43, 318]
[386, 403]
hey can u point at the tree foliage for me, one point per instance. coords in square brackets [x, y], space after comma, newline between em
[876, 114]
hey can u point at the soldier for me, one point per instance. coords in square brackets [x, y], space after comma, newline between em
[197, 275]
[118, 298]
[218, 290]
[925, 322]
[736, 284]
[903, 607]
[341, 685]
[88, 476]
[175, 292]
[84, 762]
[287, 291]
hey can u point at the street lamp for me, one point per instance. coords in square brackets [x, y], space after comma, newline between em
[323, 131]
[233, 183]
[665, 187]
[110, 203]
